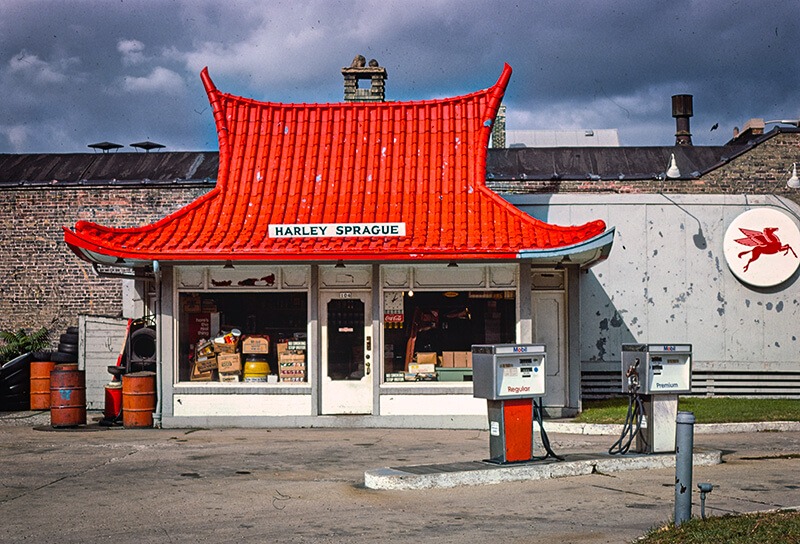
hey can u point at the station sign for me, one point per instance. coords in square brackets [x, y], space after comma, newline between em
[337, 230]
[760, 247]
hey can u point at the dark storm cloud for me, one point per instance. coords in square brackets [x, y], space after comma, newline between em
[73, 73]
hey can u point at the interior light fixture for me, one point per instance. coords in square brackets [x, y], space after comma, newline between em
[410, 293]
[793, 182]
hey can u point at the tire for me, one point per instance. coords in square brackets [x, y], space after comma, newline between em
[69, 339]
[72, 330]
[60, 357]
[68, 348]
[18, 362]
[41, 356]
[143, 345]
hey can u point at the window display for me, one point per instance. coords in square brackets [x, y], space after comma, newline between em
[243, 337]
[428, 336]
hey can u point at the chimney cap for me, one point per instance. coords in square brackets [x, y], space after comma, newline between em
[682, 105]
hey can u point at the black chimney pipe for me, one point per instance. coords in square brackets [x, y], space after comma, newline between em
[681, 111]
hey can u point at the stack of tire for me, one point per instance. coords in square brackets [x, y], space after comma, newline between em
[67, 348]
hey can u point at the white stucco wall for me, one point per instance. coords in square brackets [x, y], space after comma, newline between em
[667, 280]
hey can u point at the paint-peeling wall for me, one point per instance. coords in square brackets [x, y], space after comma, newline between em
[666, 280]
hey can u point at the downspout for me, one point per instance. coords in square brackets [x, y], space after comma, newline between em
[159, 373]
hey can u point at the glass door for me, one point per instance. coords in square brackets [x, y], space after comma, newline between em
[346, 338]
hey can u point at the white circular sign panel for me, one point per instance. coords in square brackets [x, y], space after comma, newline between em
[761, 247]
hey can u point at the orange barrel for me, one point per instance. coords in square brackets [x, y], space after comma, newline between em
[40, 384]
[256, 368]
[138, 399]
[113, 398]
[67, 396]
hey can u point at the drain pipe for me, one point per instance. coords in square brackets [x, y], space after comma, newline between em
[159, 373]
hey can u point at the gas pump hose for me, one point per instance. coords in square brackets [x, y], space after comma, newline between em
[537, 416]
[632, 426]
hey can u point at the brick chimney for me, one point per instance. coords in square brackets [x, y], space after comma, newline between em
[681, 111]
[359, 70]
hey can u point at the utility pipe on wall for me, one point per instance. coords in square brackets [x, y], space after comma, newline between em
[159, 373]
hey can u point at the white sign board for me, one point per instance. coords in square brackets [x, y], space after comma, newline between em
[761, 246]
[337, 230]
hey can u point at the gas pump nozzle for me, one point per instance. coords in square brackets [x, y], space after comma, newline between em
[632, 373]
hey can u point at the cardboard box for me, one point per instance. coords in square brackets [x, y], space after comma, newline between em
[229, 363]
[226, 348]
[421, 368]
[291, 357]
[292, 372]
[205, 363]
[280, 347]
[198, 376]
[448, 359]
[462, 359]
[427, 357]
[229, 377]
[255, 343]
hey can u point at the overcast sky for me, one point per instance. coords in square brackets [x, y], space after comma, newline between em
[79, 72]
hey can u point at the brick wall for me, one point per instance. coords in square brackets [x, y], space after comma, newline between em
[42, 283]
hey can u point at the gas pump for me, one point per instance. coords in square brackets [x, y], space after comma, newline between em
[510, 377]
[653, 375]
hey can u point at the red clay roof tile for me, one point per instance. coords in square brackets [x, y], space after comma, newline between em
[419, 163]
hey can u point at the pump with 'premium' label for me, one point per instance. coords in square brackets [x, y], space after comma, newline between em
[657, 369]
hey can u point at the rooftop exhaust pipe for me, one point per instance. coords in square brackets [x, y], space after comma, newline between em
[681, 111]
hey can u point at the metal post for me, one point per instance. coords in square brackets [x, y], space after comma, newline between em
[684, 446]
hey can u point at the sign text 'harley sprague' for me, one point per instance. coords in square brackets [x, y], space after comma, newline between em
[337, 230]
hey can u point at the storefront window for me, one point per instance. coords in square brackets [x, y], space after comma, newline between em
[428, 336]
[243, 337]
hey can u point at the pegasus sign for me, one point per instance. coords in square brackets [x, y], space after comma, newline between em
[759, 247]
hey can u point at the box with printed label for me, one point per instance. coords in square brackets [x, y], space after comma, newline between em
[421, 368]
[198, 376]
[229, 363]
[255, 344]
[229, 377]
[206, 363]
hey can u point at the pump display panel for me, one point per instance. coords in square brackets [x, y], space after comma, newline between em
[657, 369]
[508, 371]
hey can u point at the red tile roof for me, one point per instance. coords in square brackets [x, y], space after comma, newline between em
[419, 163]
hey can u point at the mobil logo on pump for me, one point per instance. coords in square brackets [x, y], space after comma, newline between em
[520, 349]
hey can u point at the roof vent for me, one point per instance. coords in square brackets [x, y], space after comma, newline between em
[147, 145]
[681, 111]
[105, 147]
[359, 70]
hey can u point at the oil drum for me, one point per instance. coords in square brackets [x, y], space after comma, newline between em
[67, 396]
[40, 384]
[256, 368]
[138, 399]
[113, 400]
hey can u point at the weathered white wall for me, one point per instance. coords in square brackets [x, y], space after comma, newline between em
[666, 280]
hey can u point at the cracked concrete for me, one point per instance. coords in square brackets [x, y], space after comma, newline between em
[307, 485]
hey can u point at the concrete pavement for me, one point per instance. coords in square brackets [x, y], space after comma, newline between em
[307, 485]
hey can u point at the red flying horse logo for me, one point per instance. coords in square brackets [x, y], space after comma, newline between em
[764, 242]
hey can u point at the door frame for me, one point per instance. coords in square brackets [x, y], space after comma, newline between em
[347, 397]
